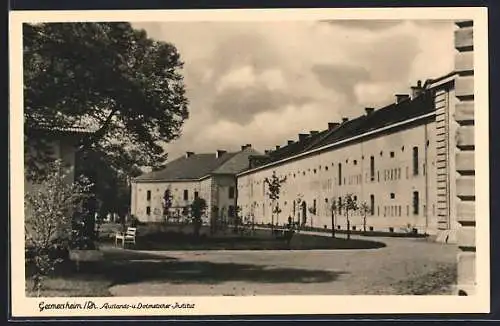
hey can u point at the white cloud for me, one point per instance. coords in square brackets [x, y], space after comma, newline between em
[263, 83]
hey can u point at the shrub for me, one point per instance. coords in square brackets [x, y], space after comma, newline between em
[49, 209]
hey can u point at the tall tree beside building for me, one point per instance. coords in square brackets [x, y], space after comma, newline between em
[109, 76]
[198, 208]
[274, 184]
[113, 79]
[167, 203]
[348, 204]
[364, 209]
[333, 210]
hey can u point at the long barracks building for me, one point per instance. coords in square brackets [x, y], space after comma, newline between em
[396, 159]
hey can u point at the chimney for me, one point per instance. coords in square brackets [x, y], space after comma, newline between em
[189, 154]
[277, 147]
[401, 97]
[369, 110]
[345, 119]
[333, 125]
[313, 132]
[417, 90]
[290, 142]
[302, 137]
[220, 152]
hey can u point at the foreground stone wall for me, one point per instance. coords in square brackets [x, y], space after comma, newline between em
[465, 187]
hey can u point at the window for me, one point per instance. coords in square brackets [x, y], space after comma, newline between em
[407, 210]
[196, 194]
[148, 210]
[415, 203]
[372, 168]
[393, 195]
[392, 154]
[231, 192]
[314, 206]
[314, 171]
[340, 174]
[423, 168]
[378, 176]
[372, 205]
[230, 211]
[340, 205]
[148, 195]
[355, 198]
[355, 162]
[186, 196]
[399, 210]
[415, 160]
[378, 210]
[326, 168]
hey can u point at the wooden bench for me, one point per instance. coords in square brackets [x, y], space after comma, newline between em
[126, 237]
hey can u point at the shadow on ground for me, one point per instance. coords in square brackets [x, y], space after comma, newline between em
[126, 266]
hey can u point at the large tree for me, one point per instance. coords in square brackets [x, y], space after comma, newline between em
[112, 78]
[108, 76]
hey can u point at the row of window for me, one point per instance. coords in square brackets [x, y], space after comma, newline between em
[389, 174]
[389, 210]
[415, 168]
[230, 211]
[186, 194]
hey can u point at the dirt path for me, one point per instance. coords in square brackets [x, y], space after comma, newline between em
[329, 272]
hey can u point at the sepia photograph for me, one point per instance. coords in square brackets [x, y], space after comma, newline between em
[279, 157]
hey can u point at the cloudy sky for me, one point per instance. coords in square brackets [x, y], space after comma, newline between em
[264, 82]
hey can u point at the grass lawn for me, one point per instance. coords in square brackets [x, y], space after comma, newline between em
[181, 238]
[72, 286]
[438, 281]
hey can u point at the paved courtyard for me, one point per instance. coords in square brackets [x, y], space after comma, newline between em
[325, 272]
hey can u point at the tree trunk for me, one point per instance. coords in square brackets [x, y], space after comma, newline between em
[333, 225]
[348, 227]
[364, 223]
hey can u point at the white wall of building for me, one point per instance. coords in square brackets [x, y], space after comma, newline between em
[315, 178]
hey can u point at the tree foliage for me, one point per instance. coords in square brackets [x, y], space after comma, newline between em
[198, 208]
[348, 204]
[108, 76]
[167, 202]
[274, 184]
[364, 209]
[112, 79]
[333, 210]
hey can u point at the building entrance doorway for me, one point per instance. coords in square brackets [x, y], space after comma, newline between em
[304, 212]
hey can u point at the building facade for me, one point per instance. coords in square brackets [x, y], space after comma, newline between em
[397, 160]
[464, 196]
[211, 176]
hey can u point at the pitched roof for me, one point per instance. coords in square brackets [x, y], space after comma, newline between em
[236, 164]
[198, 166]
[388, 115]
